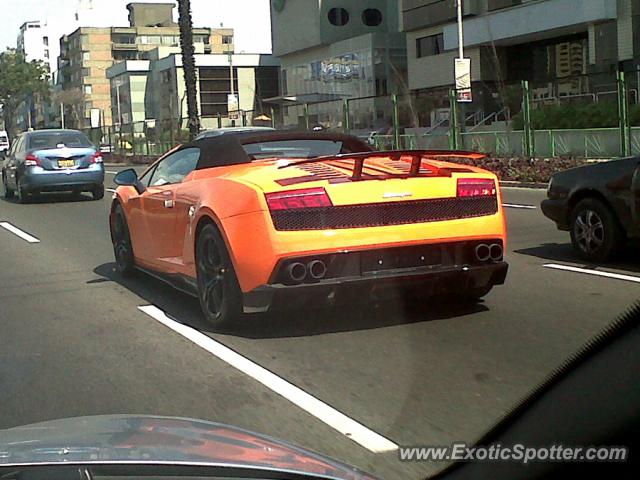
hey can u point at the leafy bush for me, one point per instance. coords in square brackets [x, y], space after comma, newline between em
[522, 169]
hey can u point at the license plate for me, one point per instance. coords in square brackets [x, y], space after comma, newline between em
[66, 163]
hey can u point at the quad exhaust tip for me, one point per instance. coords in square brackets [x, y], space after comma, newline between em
[297, 272]
[483, 252]
[496, 252]
[317, 269]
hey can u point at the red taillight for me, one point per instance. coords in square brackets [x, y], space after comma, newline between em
[476, 187]
[31, 161]
[96, 158]
[293, 199]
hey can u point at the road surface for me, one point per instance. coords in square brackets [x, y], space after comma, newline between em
[74, 342]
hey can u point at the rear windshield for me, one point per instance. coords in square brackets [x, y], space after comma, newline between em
[44, 141]
[297, 149]
[3, 139]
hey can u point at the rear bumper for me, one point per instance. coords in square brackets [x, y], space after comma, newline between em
[60, 180]
[558, 211]
[425, 280]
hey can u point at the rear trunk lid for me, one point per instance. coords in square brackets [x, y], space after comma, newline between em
[374, 189]
[65, 158]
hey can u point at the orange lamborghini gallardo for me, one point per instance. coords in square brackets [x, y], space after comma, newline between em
[250, 219]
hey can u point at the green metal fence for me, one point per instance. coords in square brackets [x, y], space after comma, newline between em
[507, 120]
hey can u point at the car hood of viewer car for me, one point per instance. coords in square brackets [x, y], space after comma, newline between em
[159, 440]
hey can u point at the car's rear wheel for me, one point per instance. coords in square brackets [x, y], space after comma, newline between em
[122, 247]
[23, 195]
[8, 193]
[218, 289]
[595, 231]
[98, 192]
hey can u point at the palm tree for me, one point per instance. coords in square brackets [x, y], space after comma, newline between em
[189, 65]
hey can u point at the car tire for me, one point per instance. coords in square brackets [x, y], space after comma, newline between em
[218, 289]
[122, 246]
[595, 232]
[8, 193]
[23, 195]
[98, 192]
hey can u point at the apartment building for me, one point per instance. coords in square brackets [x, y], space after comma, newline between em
[549, 42]
[88, 52]
[33, 43]
[337, 49]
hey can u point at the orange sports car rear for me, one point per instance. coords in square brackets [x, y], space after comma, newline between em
[248, 220]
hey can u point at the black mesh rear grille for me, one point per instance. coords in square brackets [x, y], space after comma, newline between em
[384, 214]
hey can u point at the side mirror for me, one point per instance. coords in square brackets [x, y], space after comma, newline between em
[129, 178]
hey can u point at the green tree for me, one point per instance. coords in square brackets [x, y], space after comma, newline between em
[189, 65]
[19, 81]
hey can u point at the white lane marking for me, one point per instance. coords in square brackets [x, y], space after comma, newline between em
[111, 190]
[515, 205]
[16, 231]
[616, 276]
[327, 414]
[111, 172]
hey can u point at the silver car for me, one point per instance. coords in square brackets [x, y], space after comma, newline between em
[52, 161]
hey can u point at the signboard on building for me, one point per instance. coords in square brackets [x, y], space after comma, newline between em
[342, 68]
[233, 106]
[463, 80]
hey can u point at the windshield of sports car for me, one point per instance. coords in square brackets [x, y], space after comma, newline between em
[47, 141]
[362, 230]
[294, 149]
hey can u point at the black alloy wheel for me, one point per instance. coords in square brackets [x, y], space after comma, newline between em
[218, 290]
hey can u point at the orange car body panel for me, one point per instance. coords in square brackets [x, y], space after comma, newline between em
[234, 198]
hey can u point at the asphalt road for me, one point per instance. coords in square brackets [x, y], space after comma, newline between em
[73, 341]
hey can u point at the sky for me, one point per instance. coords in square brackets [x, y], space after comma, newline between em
[253, 31]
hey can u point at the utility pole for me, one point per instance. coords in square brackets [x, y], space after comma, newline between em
[231, 76]
[62, 115]
[460, 29]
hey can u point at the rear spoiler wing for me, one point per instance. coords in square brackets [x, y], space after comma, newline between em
[417, 157]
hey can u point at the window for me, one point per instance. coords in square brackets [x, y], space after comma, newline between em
[338, 17]
[124, 39]
[46, 53]
[49, 140]
[299, 148]
[175, 167]
[86, 56]
[88, 89]
[86, 72]
[227, 39]
[372, 17]
[45, 40]
[431, 45]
